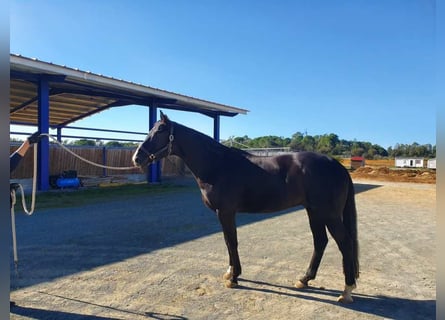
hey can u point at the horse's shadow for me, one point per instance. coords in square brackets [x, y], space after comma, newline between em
[43, 314]
[37, 313]
[379, 305]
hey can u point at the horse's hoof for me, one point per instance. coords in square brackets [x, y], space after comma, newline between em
[230, 284]
[227, 276]
[300, 285]
[346, 296]
[229, 273]
[345, 299]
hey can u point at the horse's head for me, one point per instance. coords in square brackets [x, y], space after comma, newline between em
[158, 143]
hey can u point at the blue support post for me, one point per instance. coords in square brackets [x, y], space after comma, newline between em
[59, 134]
[216, 126]
[104, 160]
[43, 127]
[154, 170]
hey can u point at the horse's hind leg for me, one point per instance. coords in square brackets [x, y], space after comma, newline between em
[227, 220]
[320, 239]
[344, 242]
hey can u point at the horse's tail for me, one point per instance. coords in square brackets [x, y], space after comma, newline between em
[350, 222]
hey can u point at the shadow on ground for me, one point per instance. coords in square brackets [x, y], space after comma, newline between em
[379, 305]
[59, 242]
[42, 314]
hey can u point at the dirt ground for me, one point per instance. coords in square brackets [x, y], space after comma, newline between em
[162, 257]
[395, 175]
[384, 170]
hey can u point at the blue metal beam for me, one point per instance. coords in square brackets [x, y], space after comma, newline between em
[104, 130]
[35, 77]
[96, 138]
[43, 127]
[216, 126]
[59, 134]
[154, 170]
[104, 160]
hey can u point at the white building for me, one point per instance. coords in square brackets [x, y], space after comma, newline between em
[409, 162]
[431, 163]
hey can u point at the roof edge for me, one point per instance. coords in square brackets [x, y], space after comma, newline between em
[32, 64]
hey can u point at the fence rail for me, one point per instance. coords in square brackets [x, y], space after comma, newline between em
[60, 161]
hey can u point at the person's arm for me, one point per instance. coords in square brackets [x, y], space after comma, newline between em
[17, 156]
[14, 160]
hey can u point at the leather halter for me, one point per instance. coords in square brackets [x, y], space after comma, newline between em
[168, 146]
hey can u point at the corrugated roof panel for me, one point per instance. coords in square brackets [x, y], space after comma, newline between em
[75, 93]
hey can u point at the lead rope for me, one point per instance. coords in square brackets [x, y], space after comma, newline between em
[33, 195]
[83, 159]
[25, 208]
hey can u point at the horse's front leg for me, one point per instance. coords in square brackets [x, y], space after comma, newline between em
[227, 220]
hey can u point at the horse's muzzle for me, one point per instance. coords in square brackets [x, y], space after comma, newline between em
[143, 160]
[140, 161]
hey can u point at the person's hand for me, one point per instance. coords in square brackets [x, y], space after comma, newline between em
[34, 138]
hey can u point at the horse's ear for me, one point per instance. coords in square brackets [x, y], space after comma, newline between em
[164, 117]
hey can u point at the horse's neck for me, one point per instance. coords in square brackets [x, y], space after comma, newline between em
[200, 153]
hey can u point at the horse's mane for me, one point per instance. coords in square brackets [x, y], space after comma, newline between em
[215, 145]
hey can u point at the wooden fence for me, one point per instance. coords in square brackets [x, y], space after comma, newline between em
[60, 161]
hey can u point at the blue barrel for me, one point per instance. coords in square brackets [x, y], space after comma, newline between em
[68, 182]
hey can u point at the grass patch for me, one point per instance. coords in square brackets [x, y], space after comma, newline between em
[83, 196]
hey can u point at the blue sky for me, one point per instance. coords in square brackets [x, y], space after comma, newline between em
[363, 70]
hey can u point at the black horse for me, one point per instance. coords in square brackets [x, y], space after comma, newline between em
[234, 181]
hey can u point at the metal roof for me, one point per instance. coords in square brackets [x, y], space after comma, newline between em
[75, 94]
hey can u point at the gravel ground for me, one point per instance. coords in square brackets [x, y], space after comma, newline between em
[162, 257]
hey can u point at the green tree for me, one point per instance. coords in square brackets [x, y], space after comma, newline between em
[309, 143]
[114, 144]
[84, 142]
[332, 145]
[296, 142]
[326, 144]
